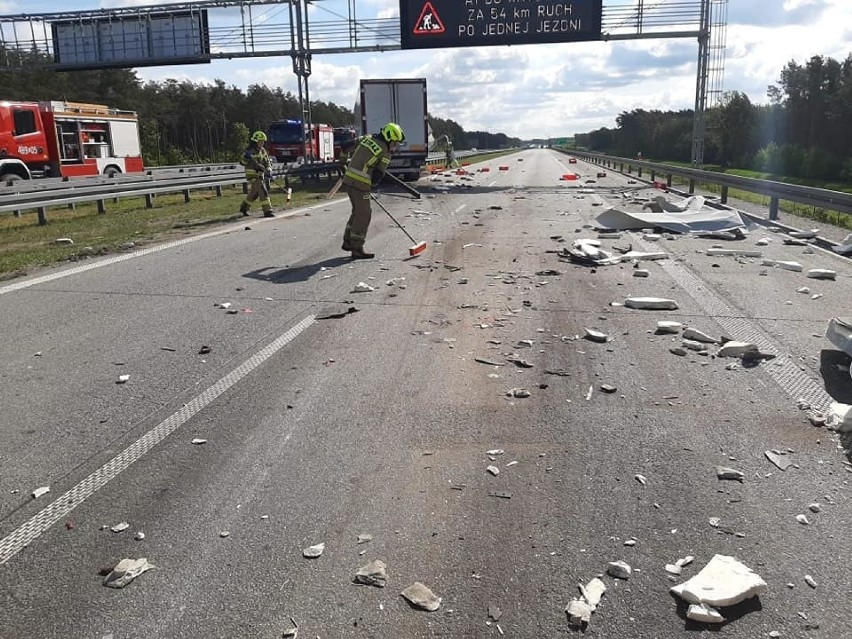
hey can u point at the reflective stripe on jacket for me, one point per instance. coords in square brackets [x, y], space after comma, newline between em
[371, 154]
[257, 162]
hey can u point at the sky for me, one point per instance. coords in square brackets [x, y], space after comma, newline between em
[540, 90]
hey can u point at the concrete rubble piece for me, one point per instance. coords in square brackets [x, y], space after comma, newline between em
[722, 582]
[651, 303]
[839, 333]
[374, 573]
[421, 597]
[689, 215]
[126, 571]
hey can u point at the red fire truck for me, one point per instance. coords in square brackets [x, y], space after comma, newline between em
[287, 141]
[59, 139]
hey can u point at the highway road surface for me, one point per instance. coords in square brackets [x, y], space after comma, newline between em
[220, 397]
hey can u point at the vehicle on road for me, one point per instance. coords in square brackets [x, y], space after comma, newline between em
[402, 101]
[67, 139]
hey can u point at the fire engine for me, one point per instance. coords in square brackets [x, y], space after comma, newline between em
[66, 139]
[288, 139]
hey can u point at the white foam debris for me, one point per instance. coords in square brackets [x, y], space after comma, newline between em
[704, 613]
[651, 303]
[724, 581]
[782, 264]
[822, 274]
[669, 327]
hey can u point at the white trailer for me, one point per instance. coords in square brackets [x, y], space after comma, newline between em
[402, 101]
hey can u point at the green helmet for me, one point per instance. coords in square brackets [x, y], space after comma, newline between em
[258, 136]
[392, 133]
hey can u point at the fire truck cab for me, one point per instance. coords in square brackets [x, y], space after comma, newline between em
[66, 139]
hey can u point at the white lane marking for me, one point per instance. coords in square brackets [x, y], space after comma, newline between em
[460, 208]
[493, 183]
[16, 286]
[31, 530]
[558, 162]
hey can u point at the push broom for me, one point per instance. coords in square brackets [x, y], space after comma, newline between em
[418, 247]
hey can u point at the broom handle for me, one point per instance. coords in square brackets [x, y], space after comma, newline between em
[401, 227]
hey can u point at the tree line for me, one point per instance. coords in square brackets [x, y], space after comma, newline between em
[804, 131]
[182, 122]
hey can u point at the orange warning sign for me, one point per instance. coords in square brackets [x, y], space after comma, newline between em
[428, 22]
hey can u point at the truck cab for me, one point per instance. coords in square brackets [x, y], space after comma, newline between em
[23, 141]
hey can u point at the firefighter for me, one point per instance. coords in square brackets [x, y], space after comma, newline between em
[366, 168]
[258, 173]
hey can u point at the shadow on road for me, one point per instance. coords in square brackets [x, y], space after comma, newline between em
[834, 368]
[299, 273]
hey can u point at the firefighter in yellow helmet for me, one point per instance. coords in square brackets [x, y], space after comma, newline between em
[258, 173]
[366, 168]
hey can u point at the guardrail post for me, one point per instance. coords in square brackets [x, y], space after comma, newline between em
[773, 208]
[42, 216]
[72, 206]
[622, 167]
[691, 186]
[186, 197]
[149, 200]
[724, 195]
[669, 179]
[245, 188]
[101, 206]
[218, 190]
[653, 176]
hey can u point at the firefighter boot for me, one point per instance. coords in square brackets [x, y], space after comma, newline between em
[360, 254]
[244, 209]
[268, 214]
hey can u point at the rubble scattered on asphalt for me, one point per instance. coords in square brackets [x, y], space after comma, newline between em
[41, 490]
[723, 582]
[518, 393]
[810, 581]
[362, 287]
[723, 472]
[291, 630]
[579, 613]
[121, 527]
[641, 272]
[779, 459]
[312, 552]
[736, 349]
[698, 336]
[839, 417]
[374, 573]
[844, 247]
[669, 327]
[782, 264]
[493, 470]
[803, 519]
[126, 571]
[704, 614]
[123, 379]
[839, 333]
[595, 336]
[689, 215]
[641, 479]
[822, 274]
[619, 569]
[422, 597]
[714, 252]
[198, 441]
[651, 303]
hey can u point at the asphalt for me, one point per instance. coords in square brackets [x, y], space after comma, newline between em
[379, 423]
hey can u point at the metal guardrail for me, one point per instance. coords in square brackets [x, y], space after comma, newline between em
[776, 191]
[40, 194]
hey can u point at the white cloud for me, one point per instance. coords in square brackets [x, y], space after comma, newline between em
[560, 89]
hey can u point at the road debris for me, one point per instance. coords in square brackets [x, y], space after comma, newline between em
[724, 581]
[723, 472]
[718, 252]
[689, 215]
[374, 573]
[822, 274]
[641, 479]
[123, 379]
[421, 597]
[139, 536]
[364, 538]
[493, 470]
[579, 613]
[291, 630]
[362, 287]
[651, 303]
[781, 461]
[518, 393]
[802, 519]
[312, 552]
[619, 569]
[607, 388]
[41, 490]
[810, 581]
[595, 336]
[786, 265]
[490, 362]
[698, 336]
[839, 417]
[120, 527]
[126, 571]
[704, 614]
[839, 333]
[736, 349]
[494, 612]
[669, 327]
[198, 441]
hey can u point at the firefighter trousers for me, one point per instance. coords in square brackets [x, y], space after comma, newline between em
[359, 221]
[258, 191]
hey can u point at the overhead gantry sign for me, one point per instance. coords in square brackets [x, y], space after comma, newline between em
[428, 24]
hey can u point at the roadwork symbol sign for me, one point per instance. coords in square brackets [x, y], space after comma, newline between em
[428, 22]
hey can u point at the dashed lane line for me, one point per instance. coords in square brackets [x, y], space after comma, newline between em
[53, 512]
